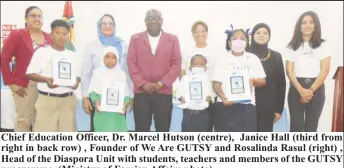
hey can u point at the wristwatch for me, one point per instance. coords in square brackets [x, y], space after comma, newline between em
[160, 84]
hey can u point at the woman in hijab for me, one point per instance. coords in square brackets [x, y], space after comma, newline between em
[269, 98]
[108, 73]
[106, 28]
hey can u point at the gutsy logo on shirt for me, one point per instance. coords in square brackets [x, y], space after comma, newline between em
[238, 67]
[307, 53]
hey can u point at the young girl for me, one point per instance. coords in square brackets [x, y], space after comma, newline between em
[108, 73]
[234, 116]
[195, 115]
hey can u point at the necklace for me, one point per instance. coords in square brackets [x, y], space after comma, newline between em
[267, 57]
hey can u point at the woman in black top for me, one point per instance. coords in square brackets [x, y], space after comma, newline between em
[270, 98]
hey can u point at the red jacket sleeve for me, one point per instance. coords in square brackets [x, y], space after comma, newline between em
[134, 70]
[48, 38]
[9, 50]
[174, 71]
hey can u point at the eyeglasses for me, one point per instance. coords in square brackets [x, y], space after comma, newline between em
[107, 24]
[35, 16]
[153, 18]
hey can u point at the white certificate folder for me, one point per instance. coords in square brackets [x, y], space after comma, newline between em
[239, 90]
[195, 88]
[64, 72]
[112, 97]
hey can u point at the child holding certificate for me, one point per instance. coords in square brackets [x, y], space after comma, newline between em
[235, 76]
[107, 100]
[194, 95]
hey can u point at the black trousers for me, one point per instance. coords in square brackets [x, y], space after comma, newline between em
[265, 116]
[145, 105]
[195, 120]
[305, 117]
[235, 118]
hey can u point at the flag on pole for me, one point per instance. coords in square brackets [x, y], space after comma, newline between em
[69, 17]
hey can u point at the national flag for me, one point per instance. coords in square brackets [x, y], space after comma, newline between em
[69, 17]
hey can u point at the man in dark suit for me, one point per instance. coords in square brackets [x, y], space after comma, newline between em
[154, 62]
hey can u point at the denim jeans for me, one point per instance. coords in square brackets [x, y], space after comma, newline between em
[195, 120]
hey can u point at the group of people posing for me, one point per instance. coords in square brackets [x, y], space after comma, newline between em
[149, 66]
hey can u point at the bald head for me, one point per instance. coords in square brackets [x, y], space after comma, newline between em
[153, 22]
[151, 12]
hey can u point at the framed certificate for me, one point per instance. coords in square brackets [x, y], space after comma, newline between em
[112, 97]
[63, 71]
[238, 88]
[195, 88]
[237, 85]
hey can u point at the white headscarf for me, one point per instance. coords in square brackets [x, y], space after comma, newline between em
[106, 75]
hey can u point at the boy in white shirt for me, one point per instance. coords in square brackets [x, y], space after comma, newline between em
[56, 105]
[195, 113]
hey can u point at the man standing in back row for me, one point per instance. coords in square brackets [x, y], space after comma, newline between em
[154, 62]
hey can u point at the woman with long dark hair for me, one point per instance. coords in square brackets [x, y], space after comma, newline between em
[308, 64]
[21, 44]
[269, 98]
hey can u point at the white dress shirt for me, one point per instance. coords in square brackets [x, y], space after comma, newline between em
[154, 41]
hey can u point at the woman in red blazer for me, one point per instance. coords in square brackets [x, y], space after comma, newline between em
[21, 44]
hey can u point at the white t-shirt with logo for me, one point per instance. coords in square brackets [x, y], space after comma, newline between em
[41, 63]
[247, 62]
[307, 60]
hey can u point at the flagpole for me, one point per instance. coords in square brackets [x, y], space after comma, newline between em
[71, 28]
[70, 37]
[69, 17]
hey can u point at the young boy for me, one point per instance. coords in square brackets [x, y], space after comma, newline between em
[109, 73]
[56, 105]
[195, 114]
